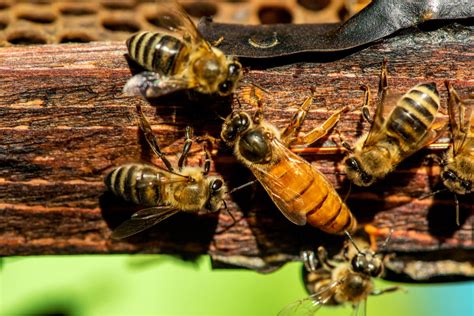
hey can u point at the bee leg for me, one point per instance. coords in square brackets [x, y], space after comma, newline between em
[383, 84]
[207, 165]
[386, 290]
[309, 260]
[288, 134]
[320, 131]
[218, 41]
[366, 103]
[208, 141]
[150, 138]
[187, 146]
[323, 258]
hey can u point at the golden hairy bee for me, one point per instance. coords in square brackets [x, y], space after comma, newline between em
[458, 161]
[409, 126]
[298, 189]
[164, 191]
[179, 58]
[345, 279]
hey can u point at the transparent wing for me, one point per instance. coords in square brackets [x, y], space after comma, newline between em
[311, 304]
[172, 18]
[461, 119]
[288, 201]
[360, 309]
[152, 85]
[384, 109]
[142, 220]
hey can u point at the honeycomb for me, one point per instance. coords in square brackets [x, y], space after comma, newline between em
[24, 22]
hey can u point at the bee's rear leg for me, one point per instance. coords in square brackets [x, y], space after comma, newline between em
[383, 83]
[187, 146]
[386, 290]
[320, 131]
[208, 141]
[288, 135]
[150, 138]
[366, 103]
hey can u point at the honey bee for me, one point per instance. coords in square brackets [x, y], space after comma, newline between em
[458, 161]
[346, 279]
[163, 191]
[300, 191]
[179, 58]
[408, 128]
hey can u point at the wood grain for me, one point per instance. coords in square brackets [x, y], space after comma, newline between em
[65, 123]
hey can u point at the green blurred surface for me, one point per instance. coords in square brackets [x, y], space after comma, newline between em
[163, 285]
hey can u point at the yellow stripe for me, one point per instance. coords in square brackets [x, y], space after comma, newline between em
[140, 58]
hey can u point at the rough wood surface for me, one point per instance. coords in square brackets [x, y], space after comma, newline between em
[64, 123]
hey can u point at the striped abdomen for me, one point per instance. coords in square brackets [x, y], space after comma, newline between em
[413, 115]
[136, 183]
[304, 190]
[155, 51]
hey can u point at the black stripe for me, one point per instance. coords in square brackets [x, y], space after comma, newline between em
[130, 184]
[318, 206]
[147, 48]
[138, 45]
[116, 184]
[420, 108]
[164, 62]
[304, 189]
[348, 224]
[401, 119]
[332, 219]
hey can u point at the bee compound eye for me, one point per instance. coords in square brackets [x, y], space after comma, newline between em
[352, 164]
[234, 69]
[225, 87]
[216, 185]
[449, 175]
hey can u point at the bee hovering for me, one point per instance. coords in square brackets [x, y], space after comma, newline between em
[179, 58]
[299, 190]
[346, 279]
[408, 127]
[164, 192]
[458, 161]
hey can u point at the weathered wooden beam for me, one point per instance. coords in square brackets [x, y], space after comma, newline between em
[64, 123]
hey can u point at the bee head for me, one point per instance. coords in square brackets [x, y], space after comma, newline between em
[234, 73]
[217, 190]
[234, 125]
[356, 173]
[367, 262]
[455, 183]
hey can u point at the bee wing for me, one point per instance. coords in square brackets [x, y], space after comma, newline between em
[311, 304]
[461, 119]
[287, 200]
[172, 17]
[152, 85]
[377, 129]
[142, 220]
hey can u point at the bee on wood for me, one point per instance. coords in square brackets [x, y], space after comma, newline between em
[458, 161]
[164, 191]
[347, 278]
[407, 128]
[179, 58]
[299, 190]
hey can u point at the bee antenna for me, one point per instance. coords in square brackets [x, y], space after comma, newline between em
[427, 195]
[348, 192]
[387, 240]
[242, 186]
[240, 104]
[352, 241]
[219, 116]
[456, 201]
